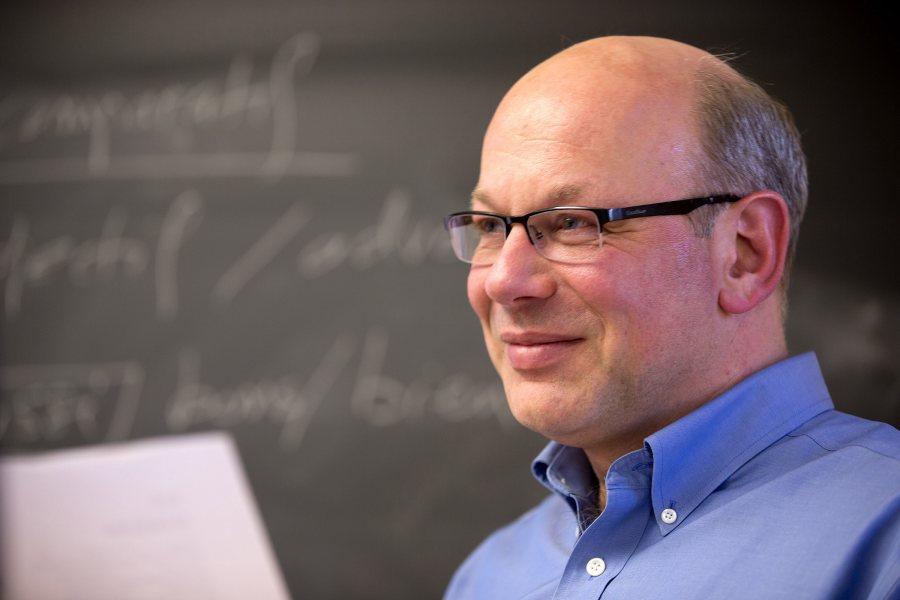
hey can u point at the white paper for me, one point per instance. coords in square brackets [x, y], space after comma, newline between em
[170, 518]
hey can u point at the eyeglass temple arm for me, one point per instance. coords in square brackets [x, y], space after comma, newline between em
[677, 207]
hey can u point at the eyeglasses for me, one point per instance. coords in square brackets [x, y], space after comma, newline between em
[568, 234]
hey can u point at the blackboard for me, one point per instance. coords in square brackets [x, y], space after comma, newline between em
[226, 215]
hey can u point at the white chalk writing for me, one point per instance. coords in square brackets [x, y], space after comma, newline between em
[116, 253]
[259, 255]
[90, 402]
[181, 219]
[99, 402]
[26, 263]
[111, 255]
[178, 110]
[392, 235]
[381, 400]
[283, 402]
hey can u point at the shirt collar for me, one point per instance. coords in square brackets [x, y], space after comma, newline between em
[564, 470]
[694, 455]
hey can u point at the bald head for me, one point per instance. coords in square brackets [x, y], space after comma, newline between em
[620, 72]
[647, 60]
[632, 99]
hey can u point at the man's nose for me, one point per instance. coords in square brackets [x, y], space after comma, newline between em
[519, 271]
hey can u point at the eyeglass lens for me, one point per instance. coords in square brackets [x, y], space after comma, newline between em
[565, 235]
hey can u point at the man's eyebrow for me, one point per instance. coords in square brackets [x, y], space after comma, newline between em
[481, 197]
[563, 194]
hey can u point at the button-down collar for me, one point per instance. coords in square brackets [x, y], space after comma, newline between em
[693, 456]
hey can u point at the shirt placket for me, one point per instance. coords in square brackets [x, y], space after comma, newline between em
[602, 551]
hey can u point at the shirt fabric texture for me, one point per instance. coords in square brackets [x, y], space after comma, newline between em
[764, 492]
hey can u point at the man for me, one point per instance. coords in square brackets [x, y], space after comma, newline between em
[690, 457]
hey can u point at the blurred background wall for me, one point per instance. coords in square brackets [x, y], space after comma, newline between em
[226, 215]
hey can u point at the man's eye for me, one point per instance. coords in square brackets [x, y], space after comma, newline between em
[487, 225]
[572, 228]
[569, 222]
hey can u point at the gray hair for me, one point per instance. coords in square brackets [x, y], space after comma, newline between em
[750, 143]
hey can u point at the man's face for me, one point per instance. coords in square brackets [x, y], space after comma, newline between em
[601, 352]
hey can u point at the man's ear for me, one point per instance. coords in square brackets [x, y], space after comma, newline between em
[753, 248]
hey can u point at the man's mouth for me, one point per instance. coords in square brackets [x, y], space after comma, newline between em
[528, 351]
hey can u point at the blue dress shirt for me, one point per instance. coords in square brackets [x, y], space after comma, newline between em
[765, 492]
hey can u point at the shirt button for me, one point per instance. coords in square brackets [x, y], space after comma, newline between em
[668, 516]
[595, 567]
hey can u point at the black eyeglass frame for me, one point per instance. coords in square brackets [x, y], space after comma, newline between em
[608, 215]
[605, 215]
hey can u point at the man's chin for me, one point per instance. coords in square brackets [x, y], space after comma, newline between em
[546, 415]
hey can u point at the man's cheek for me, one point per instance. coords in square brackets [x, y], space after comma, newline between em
[478, 299]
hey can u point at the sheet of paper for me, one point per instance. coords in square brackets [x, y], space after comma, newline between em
[168, 518]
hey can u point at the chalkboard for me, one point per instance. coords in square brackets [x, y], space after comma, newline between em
[226, 215]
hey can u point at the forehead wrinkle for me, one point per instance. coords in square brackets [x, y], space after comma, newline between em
[558, 195]
[566, 140]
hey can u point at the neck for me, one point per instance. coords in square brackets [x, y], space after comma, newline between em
[755, 351]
